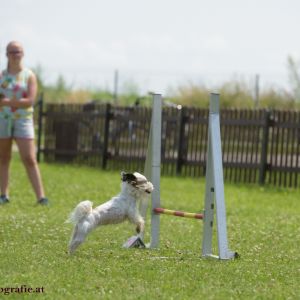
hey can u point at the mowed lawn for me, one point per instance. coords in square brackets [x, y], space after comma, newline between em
[263, 227]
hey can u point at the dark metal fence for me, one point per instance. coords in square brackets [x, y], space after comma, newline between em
[259, 146]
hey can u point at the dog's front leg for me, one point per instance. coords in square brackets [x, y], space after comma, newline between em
[139, 222]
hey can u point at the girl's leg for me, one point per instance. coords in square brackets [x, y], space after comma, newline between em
[5, 157]
[28, 156]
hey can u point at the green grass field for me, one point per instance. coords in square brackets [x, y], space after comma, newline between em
[263, 227]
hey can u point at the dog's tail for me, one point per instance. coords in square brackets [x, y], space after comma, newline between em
[83, 209]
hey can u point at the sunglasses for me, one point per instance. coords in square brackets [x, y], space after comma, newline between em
[15, 52]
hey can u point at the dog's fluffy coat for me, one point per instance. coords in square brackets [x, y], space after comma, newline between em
[123, 207]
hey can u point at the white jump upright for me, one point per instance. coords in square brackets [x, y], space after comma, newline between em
[152, 167]
[214, 191]
[214, 195]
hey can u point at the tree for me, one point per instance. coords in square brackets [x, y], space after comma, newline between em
[38, 70]
[294, 77]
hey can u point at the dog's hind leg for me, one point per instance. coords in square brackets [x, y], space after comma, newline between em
[79, 234]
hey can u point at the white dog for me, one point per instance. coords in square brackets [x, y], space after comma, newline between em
[123, 207]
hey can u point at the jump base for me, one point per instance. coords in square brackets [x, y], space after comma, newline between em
[134, 242]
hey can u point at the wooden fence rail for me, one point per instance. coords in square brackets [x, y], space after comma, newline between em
[259, 146]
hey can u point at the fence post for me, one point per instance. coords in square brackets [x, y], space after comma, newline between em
[40, 125]
[264, 148]
[106, 135]
[181, 141]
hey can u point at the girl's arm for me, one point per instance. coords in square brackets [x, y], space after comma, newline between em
[28, 100]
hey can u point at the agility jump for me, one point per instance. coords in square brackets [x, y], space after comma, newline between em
[214, 190]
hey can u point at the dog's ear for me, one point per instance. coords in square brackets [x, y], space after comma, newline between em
[140, 178]
[129, 177]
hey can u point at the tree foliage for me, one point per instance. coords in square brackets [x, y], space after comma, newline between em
[235, 93]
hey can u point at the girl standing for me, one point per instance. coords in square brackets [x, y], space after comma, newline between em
[18, 89]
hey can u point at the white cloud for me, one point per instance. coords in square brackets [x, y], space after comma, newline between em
[216, 43]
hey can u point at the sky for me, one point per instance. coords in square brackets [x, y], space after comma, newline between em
[156, 45]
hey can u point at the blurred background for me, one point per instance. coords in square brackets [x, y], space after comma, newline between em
[119, 51]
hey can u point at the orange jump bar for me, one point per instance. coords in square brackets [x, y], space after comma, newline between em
[165, 211]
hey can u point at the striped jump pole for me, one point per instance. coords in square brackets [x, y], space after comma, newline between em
[160, 210]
